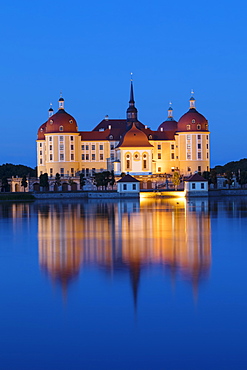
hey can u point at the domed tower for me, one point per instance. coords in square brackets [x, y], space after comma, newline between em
[169, 124]
[58, 144]
[192, 137]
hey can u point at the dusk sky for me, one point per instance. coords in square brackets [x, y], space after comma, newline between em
[88, 49]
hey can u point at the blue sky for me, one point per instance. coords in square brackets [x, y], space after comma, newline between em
[88, 49]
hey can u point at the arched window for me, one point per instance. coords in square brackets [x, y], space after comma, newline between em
[188, 127]
[198, 127]
[61, 128]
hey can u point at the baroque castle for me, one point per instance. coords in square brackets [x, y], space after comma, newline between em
[124, 145]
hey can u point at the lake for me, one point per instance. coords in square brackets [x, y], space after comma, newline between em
[137, 284]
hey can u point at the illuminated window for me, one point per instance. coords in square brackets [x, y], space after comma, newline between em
[93, 157]
[159, 169]
[144, 163]
[159, 155]
[101, 147]
[172, 156]
[93, 147]
[61, 147]
[188, 127]
[61, 138]
[128, 164]
[61, 157]
[188, 156]
[101, 157]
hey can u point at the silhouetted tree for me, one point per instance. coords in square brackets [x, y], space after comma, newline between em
[24, 182]
[43, 181]
[82, 180]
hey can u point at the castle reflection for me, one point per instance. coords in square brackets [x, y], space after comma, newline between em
[125, 237]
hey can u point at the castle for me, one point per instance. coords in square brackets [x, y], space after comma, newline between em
[123, 145]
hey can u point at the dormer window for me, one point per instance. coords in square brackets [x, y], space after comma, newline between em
[71, 121]
[61, 128]
[198, 127]
[193, 121]
[111, 137]
[188, 127]
[150, 137]
[51, 121]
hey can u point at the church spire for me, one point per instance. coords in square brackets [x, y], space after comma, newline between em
[131, 111]
[192, 101]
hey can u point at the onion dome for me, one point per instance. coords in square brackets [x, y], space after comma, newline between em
[192, 120]
[41, 132]
[170, 124]
[134, 138]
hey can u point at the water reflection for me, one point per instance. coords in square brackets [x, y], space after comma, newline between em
[125, 237]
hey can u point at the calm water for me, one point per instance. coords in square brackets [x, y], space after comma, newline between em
[124, 285]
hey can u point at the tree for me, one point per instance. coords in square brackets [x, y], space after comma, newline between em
[57, 180]
[5, 185]
[24, 182]
[213, 177]
[176, 179]
[43, 181]
[82, 180]
[112, 179]
[228, 176]
[101, 179]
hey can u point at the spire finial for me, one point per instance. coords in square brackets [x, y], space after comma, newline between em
[192, 100]
[170, 115]
[131, 76]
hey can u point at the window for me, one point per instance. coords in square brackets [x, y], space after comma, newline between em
[62, 172]
[188, 137]
[188, 127]
[128, 164]
[193, 185]
[40, 161]
[61, 128]
[199, 168]
[83, 157]
[199, 146]
[144, 163]
[172, 156]
[199, 155]
[93, 147]
[50, 157]
[207, 155]
[101, 147]
[188, 146]
[199, 137]
[189, 169]
[112, 147]
[202, 185]
[40, 144]
[188, 156]
[72, 138]
[82, 147]
[93, 157]
[112, 156]
[159, 169]
[207, 146]
[40, 152]
[72, 157]
[72, 171]
[133, 186]
[61, 157]
[61, 138]
[159, 155]
[207, 137]
[101, 157]
[159, 147]
[71, 147]
[193, 121]
[87, 157]
[198, 127]
[87, 147]
[51, 171]
[124, 186]
[87, 171]
[172, 146]
[50, 138]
